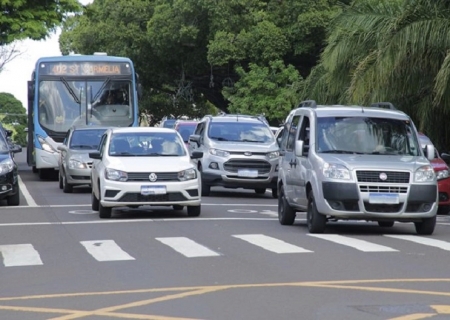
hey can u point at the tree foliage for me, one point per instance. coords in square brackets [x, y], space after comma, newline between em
[188, 52]
[390, 50]
[13, 116]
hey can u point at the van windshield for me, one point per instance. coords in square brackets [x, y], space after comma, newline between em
[363, 135]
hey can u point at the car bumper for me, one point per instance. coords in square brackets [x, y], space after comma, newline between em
[8, 184]
[78, 176]
[444, 192]
[233, 181]
[119, 194]
[347, 201]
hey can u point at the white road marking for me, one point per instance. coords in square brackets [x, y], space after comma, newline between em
[20, 255]
[271, 244]
[188, 247]
[423, 240]
[270, 213]
[106, 250]
[203, 204]
[30, 201]
[360, 245]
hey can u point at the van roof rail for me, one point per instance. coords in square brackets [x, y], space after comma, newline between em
[308, 103]
[384, 105]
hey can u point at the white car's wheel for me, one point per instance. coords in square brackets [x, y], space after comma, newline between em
[194, 211]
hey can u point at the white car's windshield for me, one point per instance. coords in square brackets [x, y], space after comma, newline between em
[147, 144]
[366, 136]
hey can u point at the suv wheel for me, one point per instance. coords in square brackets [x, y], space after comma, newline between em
[206, 189]
[316, 221]
[275, 193]
[286, 215]
[260, 191]
[426, 226]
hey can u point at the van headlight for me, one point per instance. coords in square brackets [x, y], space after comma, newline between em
[115, 175]
[273, 155]
[6, 166]
[336, 171]
[188, 174]
[442, 174]
[424, 174]
[219, 153]
[46, 146]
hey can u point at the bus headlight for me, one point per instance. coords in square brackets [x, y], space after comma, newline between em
[46, 146]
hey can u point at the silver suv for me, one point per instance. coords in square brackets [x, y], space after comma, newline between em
[239, 151]
[355, 163]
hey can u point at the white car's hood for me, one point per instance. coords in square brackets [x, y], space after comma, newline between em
[150, 164]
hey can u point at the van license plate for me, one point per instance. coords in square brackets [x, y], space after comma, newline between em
[384, 198]
[248, 173]
[148, 190]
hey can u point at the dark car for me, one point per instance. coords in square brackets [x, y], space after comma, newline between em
[9, 184]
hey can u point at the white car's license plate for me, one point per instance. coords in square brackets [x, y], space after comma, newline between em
[248, 173]
[148, 190]
[384, 198]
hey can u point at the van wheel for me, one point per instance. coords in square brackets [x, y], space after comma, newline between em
[426, 226]
[316, 221]
[260, 191]
[386, 224]
[286, 215]
[275, 193]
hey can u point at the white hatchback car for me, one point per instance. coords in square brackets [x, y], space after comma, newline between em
[144, 166]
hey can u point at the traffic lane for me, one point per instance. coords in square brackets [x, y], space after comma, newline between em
[318, 300]
[67, 265]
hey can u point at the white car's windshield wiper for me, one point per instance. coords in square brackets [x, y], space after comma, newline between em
[82, 146]
[341, 151]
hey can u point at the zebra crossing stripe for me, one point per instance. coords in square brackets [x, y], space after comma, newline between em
[105, 250]
[360, 245]
[15, 255]
[271, 244]
[188, 247]
[423, 240]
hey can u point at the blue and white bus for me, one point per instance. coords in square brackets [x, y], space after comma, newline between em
[79, 90]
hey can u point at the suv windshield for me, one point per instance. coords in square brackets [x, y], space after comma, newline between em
[240, 132]
[364, 135]
[86, 139]
[147, 144]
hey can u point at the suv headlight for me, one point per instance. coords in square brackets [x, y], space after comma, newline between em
[424, 174]
[188, 174]
[219, 153]
[273, 155]
[336, 171]
[46, 146]
[77, 164]
[6, 166]
[115, 175]
[442, 174]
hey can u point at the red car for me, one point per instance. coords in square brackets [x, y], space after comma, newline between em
[442, 173]
[185, 128]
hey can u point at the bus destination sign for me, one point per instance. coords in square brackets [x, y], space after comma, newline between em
[84, 69]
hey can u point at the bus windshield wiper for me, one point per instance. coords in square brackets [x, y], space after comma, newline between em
[101, 89]
[74, 96]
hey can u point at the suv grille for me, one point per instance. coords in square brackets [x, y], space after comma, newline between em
[374, 176]
[236, 164]
[162, 176]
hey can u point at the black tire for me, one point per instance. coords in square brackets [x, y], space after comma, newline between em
[286, 215]
[194, 211]
[94, 201]
[386, 224]
[260, 191]
[104, 212]
[178, 207]
[14, 200]
[43, 174]
[316, 221]
[60, 181]
[426, 226]
[206, 189]
[34, 169]
[443, 210]
[67, 188]
[275, 193]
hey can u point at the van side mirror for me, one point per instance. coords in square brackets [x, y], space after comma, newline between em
[195, 138]
[299, 146]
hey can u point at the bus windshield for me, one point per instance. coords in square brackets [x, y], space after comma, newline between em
[64, 102]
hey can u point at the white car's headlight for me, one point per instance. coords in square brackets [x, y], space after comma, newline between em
[424, 174]
[219, 153]
[6, 166]
[46, 146]
[77, 164]
[336, 171]
[188, 174]
[273, 155]
[442, 174]
[115, 175]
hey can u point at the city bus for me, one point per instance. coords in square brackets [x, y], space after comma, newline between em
[77, 90]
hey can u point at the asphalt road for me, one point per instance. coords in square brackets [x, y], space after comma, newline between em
[235, 261]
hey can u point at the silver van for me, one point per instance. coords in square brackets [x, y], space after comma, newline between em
[239, 151]
[355, 163]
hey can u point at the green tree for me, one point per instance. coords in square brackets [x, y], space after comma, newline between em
[390, 50]
[11, 110]
[187, 52]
